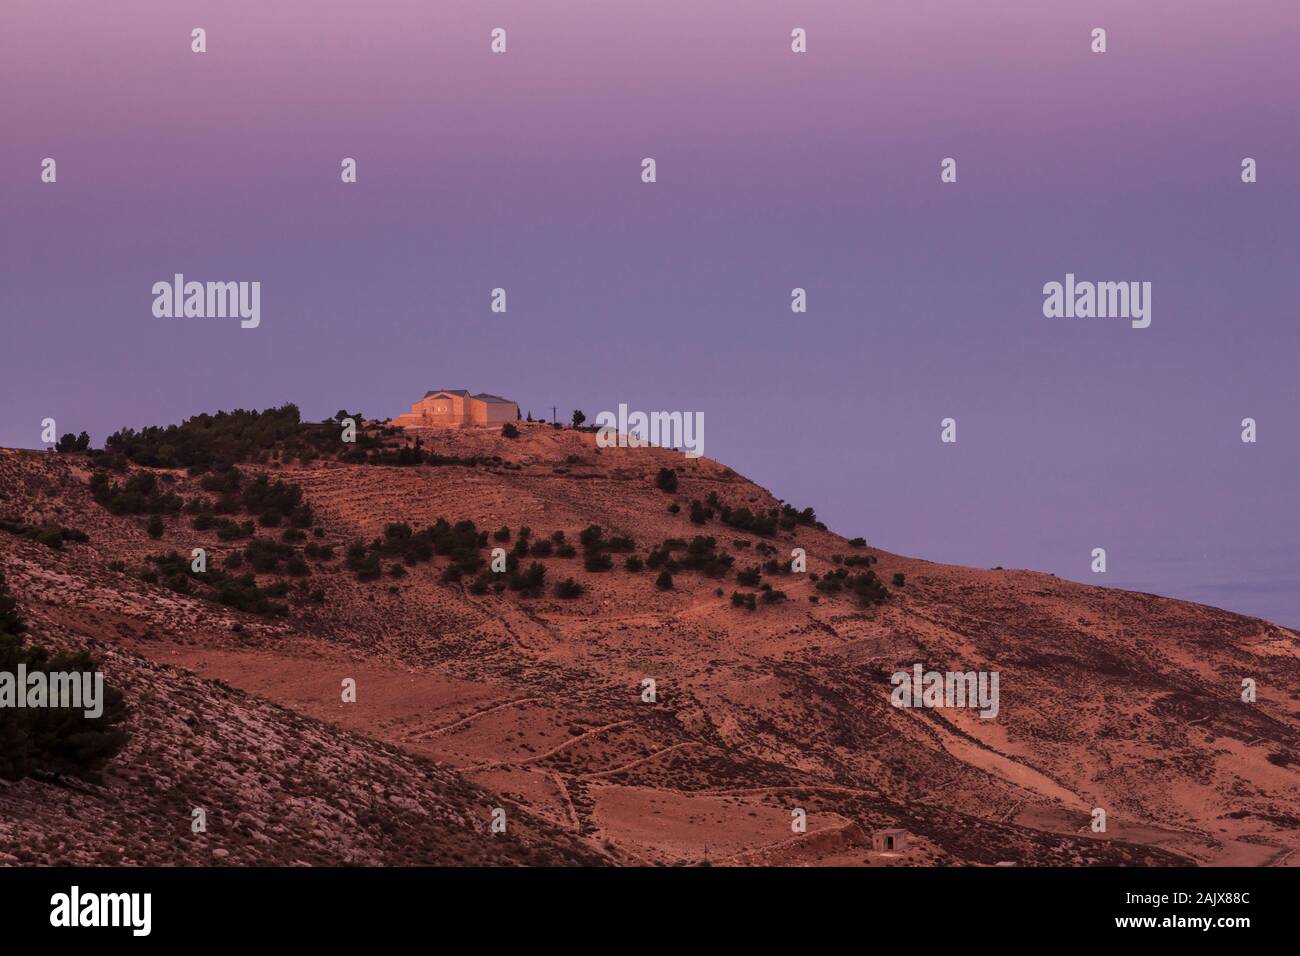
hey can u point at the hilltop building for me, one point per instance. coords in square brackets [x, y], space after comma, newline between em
[456, 407]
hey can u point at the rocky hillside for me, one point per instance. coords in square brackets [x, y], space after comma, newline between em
[475, 690]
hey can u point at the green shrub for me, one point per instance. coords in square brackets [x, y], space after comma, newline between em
[568, 588]
[206, 440]
[530, 582]
[666, 480]
[52, 536]
[746, 520]
[665, 581]
[745, 600]
[54, 741]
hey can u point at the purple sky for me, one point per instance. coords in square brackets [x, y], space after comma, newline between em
[775, 171]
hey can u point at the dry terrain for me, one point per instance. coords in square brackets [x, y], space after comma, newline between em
[1108, 699]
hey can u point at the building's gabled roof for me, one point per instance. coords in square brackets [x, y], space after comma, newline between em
[493, 399]
[462, 392]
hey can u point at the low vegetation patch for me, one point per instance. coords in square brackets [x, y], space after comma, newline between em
[53, 741]
[51, 535]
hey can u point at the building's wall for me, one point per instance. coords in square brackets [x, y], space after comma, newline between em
[491, 413]
[441, 409]
[454, 410]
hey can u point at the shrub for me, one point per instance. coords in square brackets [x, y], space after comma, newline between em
[857, 542]
[501, 534]
[508, 430]
[52, 536]
[568, 588]
[156, 527]
[598, 562]
[665, 581]
[70, 442]
[633, 563]
[666, 480]
[898, 579]
[48, 740]
[530, 582]
[702, 556]
[228, 530]
[742, 599]
[265, 555]
[746, 520]
[749, 577]
[368, 568]
[866, 586]
[206, 440]
[140, 494]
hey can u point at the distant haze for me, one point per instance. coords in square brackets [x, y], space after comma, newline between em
[775, 170]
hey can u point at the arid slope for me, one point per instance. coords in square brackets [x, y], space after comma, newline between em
[1109, 699]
